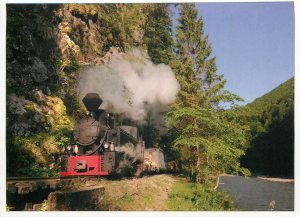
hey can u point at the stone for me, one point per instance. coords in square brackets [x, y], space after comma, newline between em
[20, 129]
[16, 104]
[87, 198]
[38, 71]
[137, 35]
[38, 118]
[39, 95]
[113, 51]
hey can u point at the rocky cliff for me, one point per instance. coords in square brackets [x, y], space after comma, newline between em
[47, 45]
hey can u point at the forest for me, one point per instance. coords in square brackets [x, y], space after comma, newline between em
[271, 122]
[48, 47]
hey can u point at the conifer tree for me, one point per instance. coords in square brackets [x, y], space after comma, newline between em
[210, 139]
[158, 33]
[159, 43]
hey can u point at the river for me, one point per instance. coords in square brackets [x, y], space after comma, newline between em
[256, 194]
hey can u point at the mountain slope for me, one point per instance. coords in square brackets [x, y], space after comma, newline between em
[271, 120]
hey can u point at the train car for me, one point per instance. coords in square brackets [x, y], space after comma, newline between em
[100, 146]
[154, 160]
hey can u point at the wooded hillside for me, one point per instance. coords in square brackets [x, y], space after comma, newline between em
[271, 121]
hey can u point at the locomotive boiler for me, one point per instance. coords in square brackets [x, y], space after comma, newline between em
[100, 146]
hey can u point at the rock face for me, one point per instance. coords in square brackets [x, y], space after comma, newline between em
[16, 104]
[38, 71]
[79, 34]
[45, 44]
[31, 56]
[86, 199]
[46, 47]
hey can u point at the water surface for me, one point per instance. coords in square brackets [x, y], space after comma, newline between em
[255, 194]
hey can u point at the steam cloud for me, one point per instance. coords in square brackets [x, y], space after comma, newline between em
[131, 85]
[132, 159]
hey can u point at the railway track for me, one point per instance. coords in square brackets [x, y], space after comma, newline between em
[26, 185]
[27, 193]
[23, 192]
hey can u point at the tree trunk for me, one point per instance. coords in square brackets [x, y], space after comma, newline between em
[198, 176]
[217, 182]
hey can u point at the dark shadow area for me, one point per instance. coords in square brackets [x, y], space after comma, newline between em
[272, 152]
[17, 201]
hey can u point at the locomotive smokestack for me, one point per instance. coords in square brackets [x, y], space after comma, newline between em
[92, 101]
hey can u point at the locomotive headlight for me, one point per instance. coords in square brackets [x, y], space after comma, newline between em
[69, 148]
[106, 145]
[75, 149]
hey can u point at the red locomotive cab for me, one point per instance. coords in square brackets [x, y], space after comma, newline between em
[83, 165]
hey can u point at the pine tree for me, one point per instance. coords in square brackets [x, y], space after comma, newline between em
[210, 136]
[159, 43]
[158, 33]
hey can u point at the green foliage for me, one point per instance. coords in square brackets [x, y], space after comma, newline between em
[193, 197]
[123, 24]
[38, 155]
[210, 140]
[221, 140]
[158, 33]
[44, 206]
[271, 119]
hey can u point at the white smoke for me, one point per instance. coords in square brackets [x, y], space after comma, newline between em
[133, 152]
[131, 160]
[131, 85]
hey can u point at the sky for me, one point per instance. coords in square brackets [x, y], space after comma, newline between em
[253, 43]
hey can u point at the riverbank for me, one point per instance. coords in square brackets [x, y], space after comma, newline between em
[273, 179]
[276, 179]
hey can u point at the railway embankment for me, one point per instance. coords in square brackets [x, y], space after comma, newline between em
[83, 199]
[162, 192]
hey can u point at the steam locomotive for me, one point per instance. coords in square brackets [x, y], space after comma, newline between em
[102, 147]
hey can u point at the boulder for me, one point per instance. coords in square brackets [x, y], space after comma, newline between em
[87, 198]
[39, 95]
[113, 51]
[20, 129]
[38, 71]
[16, 104]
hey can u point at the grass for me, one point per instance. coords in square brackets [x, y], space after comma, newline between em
[187, 196]
[162, 193]
[148, 193]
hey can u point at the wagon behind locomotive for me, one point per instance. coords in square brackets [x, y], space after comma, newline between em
[154, 160]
